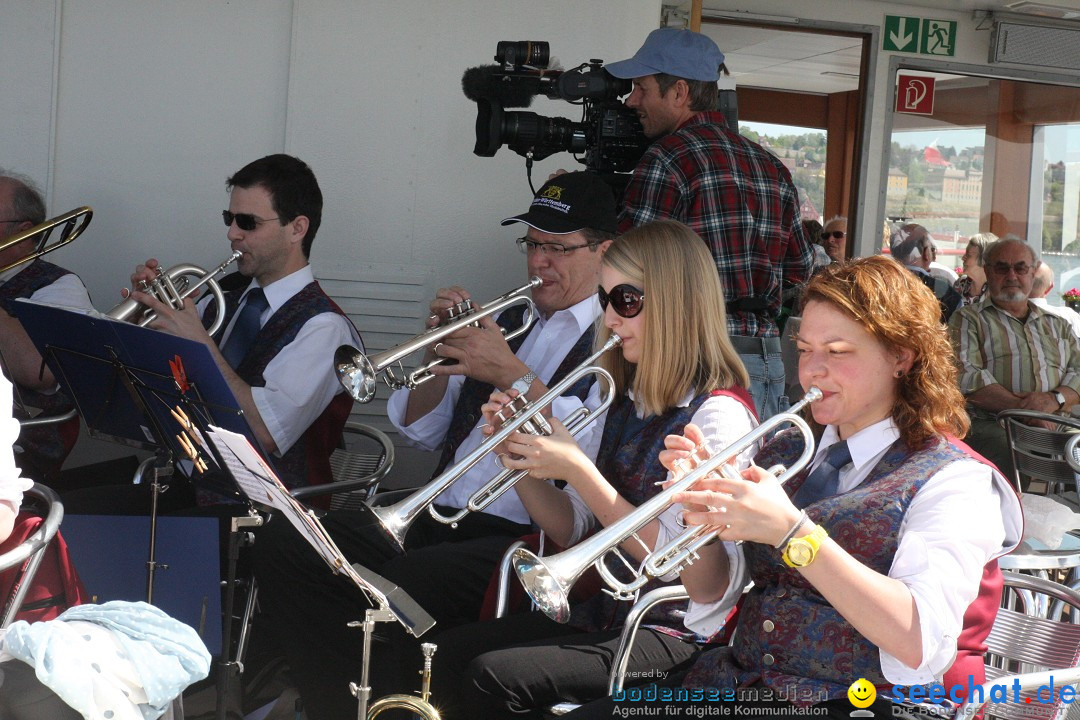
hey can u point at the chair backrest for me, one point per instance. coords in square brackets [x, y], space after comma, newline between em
[1038, 453]
[358, 467]
[26, 557]
[1072, 452]
[1025, 642]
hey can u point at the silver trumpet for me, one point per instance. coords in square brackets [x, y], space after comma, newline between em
[172, 286]
[359, 372]
[397, 518]
[549, 580]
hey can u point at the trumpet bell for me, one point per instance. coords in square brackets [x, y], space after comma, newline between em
[550, 592]
[356, 373]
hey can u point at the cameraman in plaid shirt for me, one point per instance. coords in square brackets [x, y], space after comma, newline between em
[732, 192]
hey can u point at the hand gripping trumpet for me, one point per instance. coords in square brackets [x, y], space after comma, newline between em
[172, 287]
[397, 518]
[359, 372]
[549, 580]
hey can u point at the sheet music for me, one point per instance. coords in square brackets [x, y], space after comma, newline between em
[259, 483]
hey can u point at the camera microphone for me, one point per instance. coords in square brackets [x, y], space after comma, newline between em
[490, 82]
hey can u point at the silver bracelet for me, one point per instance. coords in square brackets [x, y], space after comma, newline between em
[794, 529]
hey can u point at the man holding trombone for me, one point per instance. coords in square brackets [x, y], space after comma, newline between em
[24, 275]
[445, 569]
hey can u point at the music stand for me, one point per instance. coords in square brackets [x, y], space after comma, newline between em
[262, 487]
[121, 378]
[129, 388]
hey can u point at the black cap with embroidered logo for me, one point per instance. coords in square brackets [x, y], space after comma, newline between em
[571, 202]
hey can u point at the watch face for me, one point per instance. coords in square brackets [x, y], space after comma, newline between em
[800, 553]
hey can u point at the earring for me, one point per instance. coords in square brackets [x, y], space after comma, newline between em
[899, 373]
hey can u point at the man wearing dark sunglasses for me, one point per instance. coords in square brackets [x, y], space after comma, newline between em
[732, 192]
[570, 223]
[44, 448]
[834, 238]
[276, 345]
[1012, 353]
[911, 245]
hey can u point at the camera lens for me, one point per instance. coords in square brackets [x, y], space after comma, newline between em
[523, 52]
[525, 131]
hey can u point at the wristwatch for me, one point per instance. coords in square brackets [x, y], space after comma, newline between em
[1060, 397]
[800, 552]
[523, 383]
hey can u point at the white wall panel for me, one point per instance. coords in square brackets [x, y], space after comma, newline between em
[158, 103]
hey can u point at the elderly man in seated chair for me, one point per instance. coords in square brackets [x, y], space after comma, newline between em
[1012, 353]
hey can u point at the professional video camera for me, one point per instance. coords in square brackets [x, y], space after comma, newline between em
[609, 134]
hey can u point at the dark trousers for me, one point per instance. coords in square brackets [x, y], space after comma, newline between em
[520, 665]
[305, 608]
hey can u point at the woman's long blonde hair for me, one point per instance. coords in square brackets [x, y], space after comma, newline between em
[686, 346]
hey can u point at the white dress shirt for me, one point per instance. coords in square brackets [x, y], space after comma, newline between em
[11, 485]
[67, 291]
[963, 517]
[543, 350]
[723, 421]
[300, 380]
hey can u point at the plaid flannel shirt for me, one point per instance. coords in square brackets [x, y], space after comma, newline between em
[740, 199]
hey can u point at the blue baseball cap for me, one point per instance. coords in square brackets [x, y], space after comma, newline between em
[680, 53]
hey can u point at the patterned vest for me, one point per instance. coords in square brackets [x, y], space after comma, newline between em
[789, 637]
[474, 393]
[307, 462]
[45, 447]
[629, 459]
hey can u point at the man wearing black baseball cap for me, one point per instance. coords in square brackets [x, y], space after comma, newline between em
[571, 221]
[730, 191]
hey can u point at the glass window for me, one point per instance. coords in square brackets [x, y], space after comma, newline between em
[802, 151]
[994, 155]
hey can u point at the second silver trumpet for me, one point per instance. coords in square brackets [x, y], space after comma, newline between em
[396, 519]
[548, 580]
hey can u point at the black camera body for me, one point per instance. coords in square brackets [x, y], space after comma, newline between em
[609, 135]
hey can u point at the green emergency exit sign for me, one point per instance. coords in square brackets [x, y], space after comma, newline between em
[924, 36]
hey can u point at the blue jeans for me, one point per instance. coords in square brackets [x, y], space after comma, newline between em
[766, 383]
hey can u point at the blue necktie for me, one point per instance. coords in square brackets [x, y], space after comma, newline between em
[245, 328]
[825, 479]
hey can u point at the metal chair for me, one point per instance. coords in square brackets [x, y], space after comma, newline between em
[1039, 454]
[1027, 649]
[668, 593]
[28, 554]
[1072, 452]
[358, 468]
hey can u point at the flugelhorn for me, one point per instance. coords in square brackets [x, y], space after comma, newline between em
[359, 372]
[397, 518]
[172, 286]
[74, 223]
[549, 580]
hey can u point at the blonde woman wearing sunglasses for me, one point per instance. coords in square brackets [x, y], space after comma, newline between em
[660, 293]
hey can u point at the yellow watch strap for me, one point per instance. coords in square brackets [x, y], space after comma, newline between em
[812, 541]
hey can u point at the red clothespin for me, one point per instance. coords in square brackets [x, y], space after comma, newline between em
[179, 376]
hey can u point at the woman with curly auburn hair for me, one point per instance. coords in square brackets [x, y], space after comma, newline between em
[929, 401]
[879, 560]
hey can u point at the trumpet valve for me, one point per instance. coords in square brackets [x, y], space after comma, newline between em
[465, 307]
[512, 409]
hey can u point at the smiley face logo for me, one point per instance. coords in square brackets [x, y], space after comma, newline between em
[862, 693]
